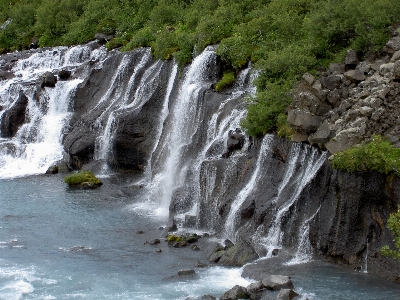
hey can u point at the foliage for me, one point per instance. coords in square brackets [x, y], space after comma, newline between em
[227, 80]
[82, 177]
[282, 38]
[283, 127]
[394, 225]
[378, 155]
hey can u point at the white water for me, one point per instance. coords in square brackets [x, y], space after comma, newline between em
[230, 224]
[310, 161]
[37, 144]
[183, 122]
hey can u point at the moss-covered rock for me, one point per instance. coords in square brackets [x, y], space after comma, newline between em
[84, 179]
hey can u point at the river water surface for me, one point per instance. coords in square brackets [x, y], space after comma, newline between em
[63, 243]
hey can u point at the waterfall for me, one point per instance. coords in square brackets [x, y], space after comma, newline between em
[37, 144]
[183, 122]
[309, 161]
[230, 224]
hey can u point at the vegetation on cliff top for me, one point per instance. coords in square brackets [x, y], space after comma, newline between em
[378, 155]
[283, 38]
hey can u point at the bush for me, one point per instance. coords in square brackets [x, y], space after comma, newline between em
[394, 225]
[227, 80]
[81, 178]
[378, 155]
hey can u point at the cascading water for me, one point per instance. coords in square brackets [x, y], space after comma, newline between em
[230, 224]
[182, 124]
[309, 162]
[37, 144]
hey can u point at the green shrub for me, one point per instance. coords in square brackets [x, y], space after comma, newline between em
[283, 126]
[394, 225]
[82, 177]
[378, 155]
[227, 80]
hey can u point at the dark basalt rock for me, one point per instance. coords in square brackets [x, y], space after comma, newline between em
[48, 79]
[237, 292]
[235, 142]
[14, 117]
[64, 74]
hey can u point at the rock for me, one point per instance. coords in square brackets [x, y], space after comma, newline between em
[255, 287]
[235, 142]
[277, 282]
[299, 138]
[247, 210]
[139, 232]
[331, 82]
[212, 248]
[286, 294]
[48, 79]
[308, 79]
[312, 103]
[14, 117]
[186, 272]
[322, 135]
[6, 75]
[64, 74]
[376, 115]
[154, 242]
[190, 221]
[396, 56]
[354, 76]
[303, 121]
[195, 248]
[171, 227]
[238, 255]
[52, 170]
[386, 69]
[158, 250]
[351, 59]
[334, 97]
[393, 44]
[237, 292]
[396, 69]
[228, 244]
[275, 252]
[103, 38]
[338, 68]
[342, 142]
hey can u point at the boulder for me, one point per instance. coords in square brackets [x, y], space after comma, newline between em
[235, 142]
[64, 74]
[343, 141]
[351, 59]
[238, 255]
[277, 282]
[48, 79]
[103, 38]
[237, 292]
[355, 76]
[396, 69]
[14, 117]
[322, 135]
[5, 75]
[331, 82]
[299, 138]
[312, 103]
[154, 242]
[393, 44]
[208, 297]
[303, 121]
[286, 294]
[335, 69]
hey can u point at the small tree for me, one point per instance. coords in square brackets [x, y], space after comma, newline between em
[394, 225]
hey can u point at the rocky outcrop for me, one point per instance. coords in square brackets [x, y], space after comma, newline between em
[14, 117]
[349, 102]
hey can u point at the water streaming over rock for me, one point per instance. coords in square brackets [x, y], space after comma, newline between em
[129, 112]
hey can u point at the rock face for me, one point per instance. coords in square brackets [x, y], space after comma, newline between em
[14, 117]
[349, 102]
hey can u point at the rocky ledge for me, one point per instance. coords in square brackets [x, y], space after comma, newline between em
[350, 101]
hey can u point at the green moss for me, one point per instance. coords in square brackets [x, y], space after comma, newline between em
[174, 238]
[378, 155]
[82, 178]
[227, 80]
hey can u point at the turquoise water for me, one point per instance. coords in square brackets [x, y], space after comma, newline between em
[62, 243]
